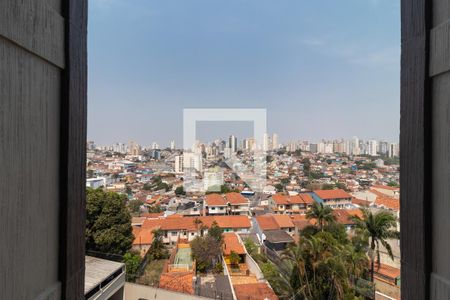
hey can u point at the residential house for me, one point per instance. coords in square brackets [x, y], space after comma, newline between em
[176, 227]
[228, 204]
[287, 204]
[274, 231]
[239, 205]
[334, 198]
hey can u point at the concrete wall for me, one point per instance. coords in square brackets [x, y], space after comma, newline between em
[253, 267]
[440, 92]
[144, 292]
[31, 63]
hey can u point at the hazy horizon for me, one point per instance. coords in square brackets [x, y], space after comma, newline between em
[317, 74]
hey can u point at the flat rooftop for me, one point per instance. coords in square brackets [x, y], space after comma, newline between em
[97, 271]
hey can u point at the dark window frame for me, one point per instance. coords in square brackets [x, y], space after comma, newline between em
[415, 147]
[73, 150]
[415, 141]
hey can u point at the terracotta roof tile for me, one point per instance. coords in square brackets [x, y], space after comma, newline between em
[266, 222]
[177, 282]
[236, 198]
[231, 243]
[332, 194]
[142, 236]
[215, 200]
[254, 291]
[389, 203]
[284, 221]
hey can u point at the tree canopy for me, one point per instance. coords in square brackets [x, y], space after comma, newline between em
[108, 222]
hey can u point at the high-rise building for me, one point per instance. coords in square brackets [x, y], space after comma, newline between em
[188, 160]
[355, 147]
[266, 142]
[394, 150]
[372, 147]
[172, 145]
[134, 148]
[232, 143]
[275, 141]
[90, 145]
[213, 179]
[155, 146]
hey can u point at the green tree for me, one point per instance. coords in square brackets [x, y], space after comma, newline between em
[132, 262]
[157, 249]
[318, 268]
[135, 205]
[128, 190]
[250, 246]
[328, 186]
[279, 187]
[108, 222]
[234, 258]
[342, 186]
[379, 227]
[206, 251]
[393, 184]
[216, 232]
[179, 191]
[285, 181]
[323, 214]
[155, 209]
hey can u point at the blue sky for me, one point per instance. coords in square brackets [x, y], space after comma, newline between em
[322, 69]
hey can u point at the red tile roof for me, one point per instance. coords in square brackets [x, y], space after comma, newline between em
[282, 199]
[215, 200]
[231, 221]
[236, 198]
[254, 291]
[284, 221]
[344, 216]
[307, 198]
[332, 194]
[188, 223]
[387, 202]
[267, 222]
[177, 282]
[231, 243]
[142, 236]
[360, 202]
[386, 187]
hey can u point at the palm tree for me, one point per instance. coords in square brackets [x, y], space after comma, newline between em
[318, 269]
[197, 223]
[379, 226]
[323, 214]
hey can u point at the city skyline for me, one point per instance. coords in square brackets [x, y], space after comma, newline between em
[315, 73]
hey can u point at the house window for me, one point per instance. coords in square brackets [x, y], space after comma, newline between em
[212, 208]
[173, 233]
